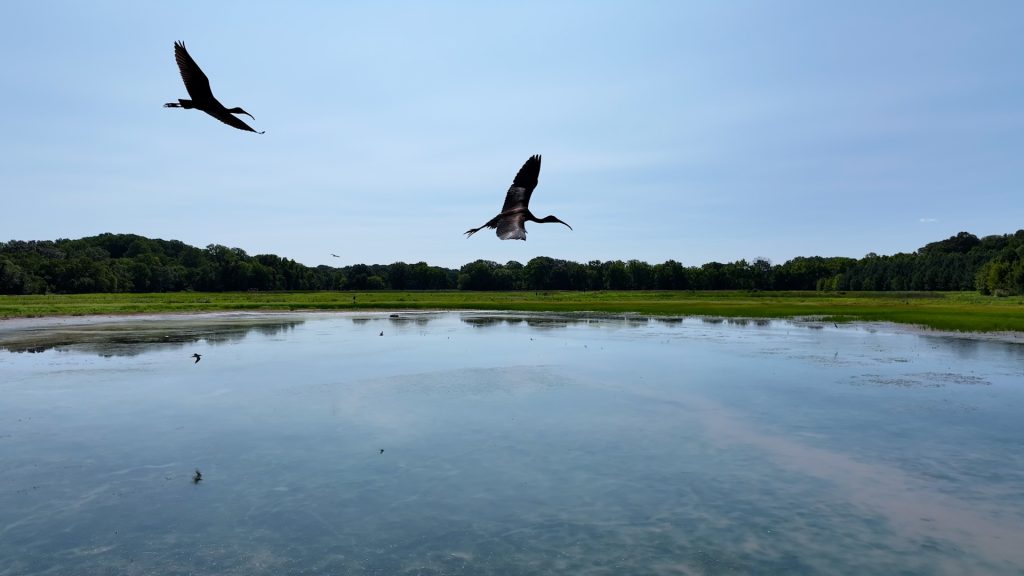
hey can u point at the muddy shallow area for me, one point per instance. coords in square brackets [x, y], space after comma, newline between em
[496, 443]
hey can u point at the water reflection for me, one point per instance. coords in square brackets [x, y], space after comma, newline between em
[133, 337]
[406, 319]
[477, 443]
[538, 321]
[549, 320]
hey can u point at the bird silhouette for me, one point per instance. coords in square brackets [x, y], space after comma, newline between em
[510, 224]
[381, 332]
[197, 477]
[335, 255]
[198, 357]
[198, 86]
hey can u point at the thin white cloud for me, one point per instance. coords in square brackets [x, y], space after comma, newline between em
[928, 220]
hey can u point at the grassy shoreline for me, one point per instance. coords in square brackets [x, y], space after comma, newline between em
[960, 311]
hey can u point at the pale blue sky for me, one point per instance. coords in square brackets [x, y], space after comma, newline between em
[683, 130]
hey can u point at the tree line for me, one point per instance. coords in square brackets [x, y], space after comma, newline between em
[131, 263]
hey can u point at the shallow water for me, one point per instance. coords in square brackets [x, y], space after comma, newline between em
[512, 444]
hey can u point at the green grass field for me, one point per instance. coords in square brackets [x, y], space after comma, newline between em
[963, 311]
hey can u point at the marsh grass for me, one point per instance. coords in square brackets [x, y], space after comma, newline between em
[941, 310]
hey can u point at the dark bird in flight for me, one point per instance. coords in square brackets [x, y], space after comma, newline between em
[511, 223]
[381, 450]
[197, 477]
[381, 332]
[198, 86]
[198, 357]
[335, 255]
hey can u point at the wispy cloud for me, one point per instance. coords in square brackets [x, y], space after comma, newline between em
[928, 220]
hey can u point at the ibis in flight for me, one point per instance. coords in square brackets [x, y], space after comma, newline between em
[510, 224]
[198, 87]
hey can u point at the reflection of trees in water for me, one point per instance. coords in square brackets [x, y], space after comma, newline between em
[669, 319]
[418, 320]
[552, 321]
[397, 320]
[539, 322]
[549, 323]
[482, 321]
[275, 329]
[136, 338]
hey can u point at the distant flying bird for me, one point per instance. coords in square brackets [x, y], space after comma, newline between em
[381, 332]
[198, 86]
[335, 255]
[198, 357]
[511, 223]
[197, 477]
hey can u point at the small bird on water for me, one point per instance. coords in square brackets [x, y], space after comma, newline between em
[198, 87]
[510, 224]
[197, 477]
[198, 357]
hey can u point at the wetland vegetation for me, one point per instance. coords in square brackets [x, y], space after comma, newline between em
[964, 311]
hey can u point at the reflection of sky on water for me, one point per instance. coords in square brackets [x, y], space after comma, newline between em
[513, 444]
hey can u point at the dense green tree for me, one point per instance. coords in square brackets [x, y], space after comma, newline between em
[132, 263]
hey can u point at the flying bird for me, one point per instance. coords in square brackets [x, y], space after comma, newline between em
[198, 86]
[198, 357]
[197, 477]
[335, 255]
[511, 222]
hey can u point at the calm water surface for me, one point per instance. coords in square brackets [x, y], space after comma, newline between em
[512, 444]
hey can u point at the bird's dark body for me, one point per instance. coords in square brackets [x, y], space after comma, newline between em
[510, 224]
[198, 87]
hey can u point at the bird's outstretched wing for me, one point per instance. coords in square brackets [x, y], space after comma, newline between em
[231, 120]
[197, 84]
[518, 195]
